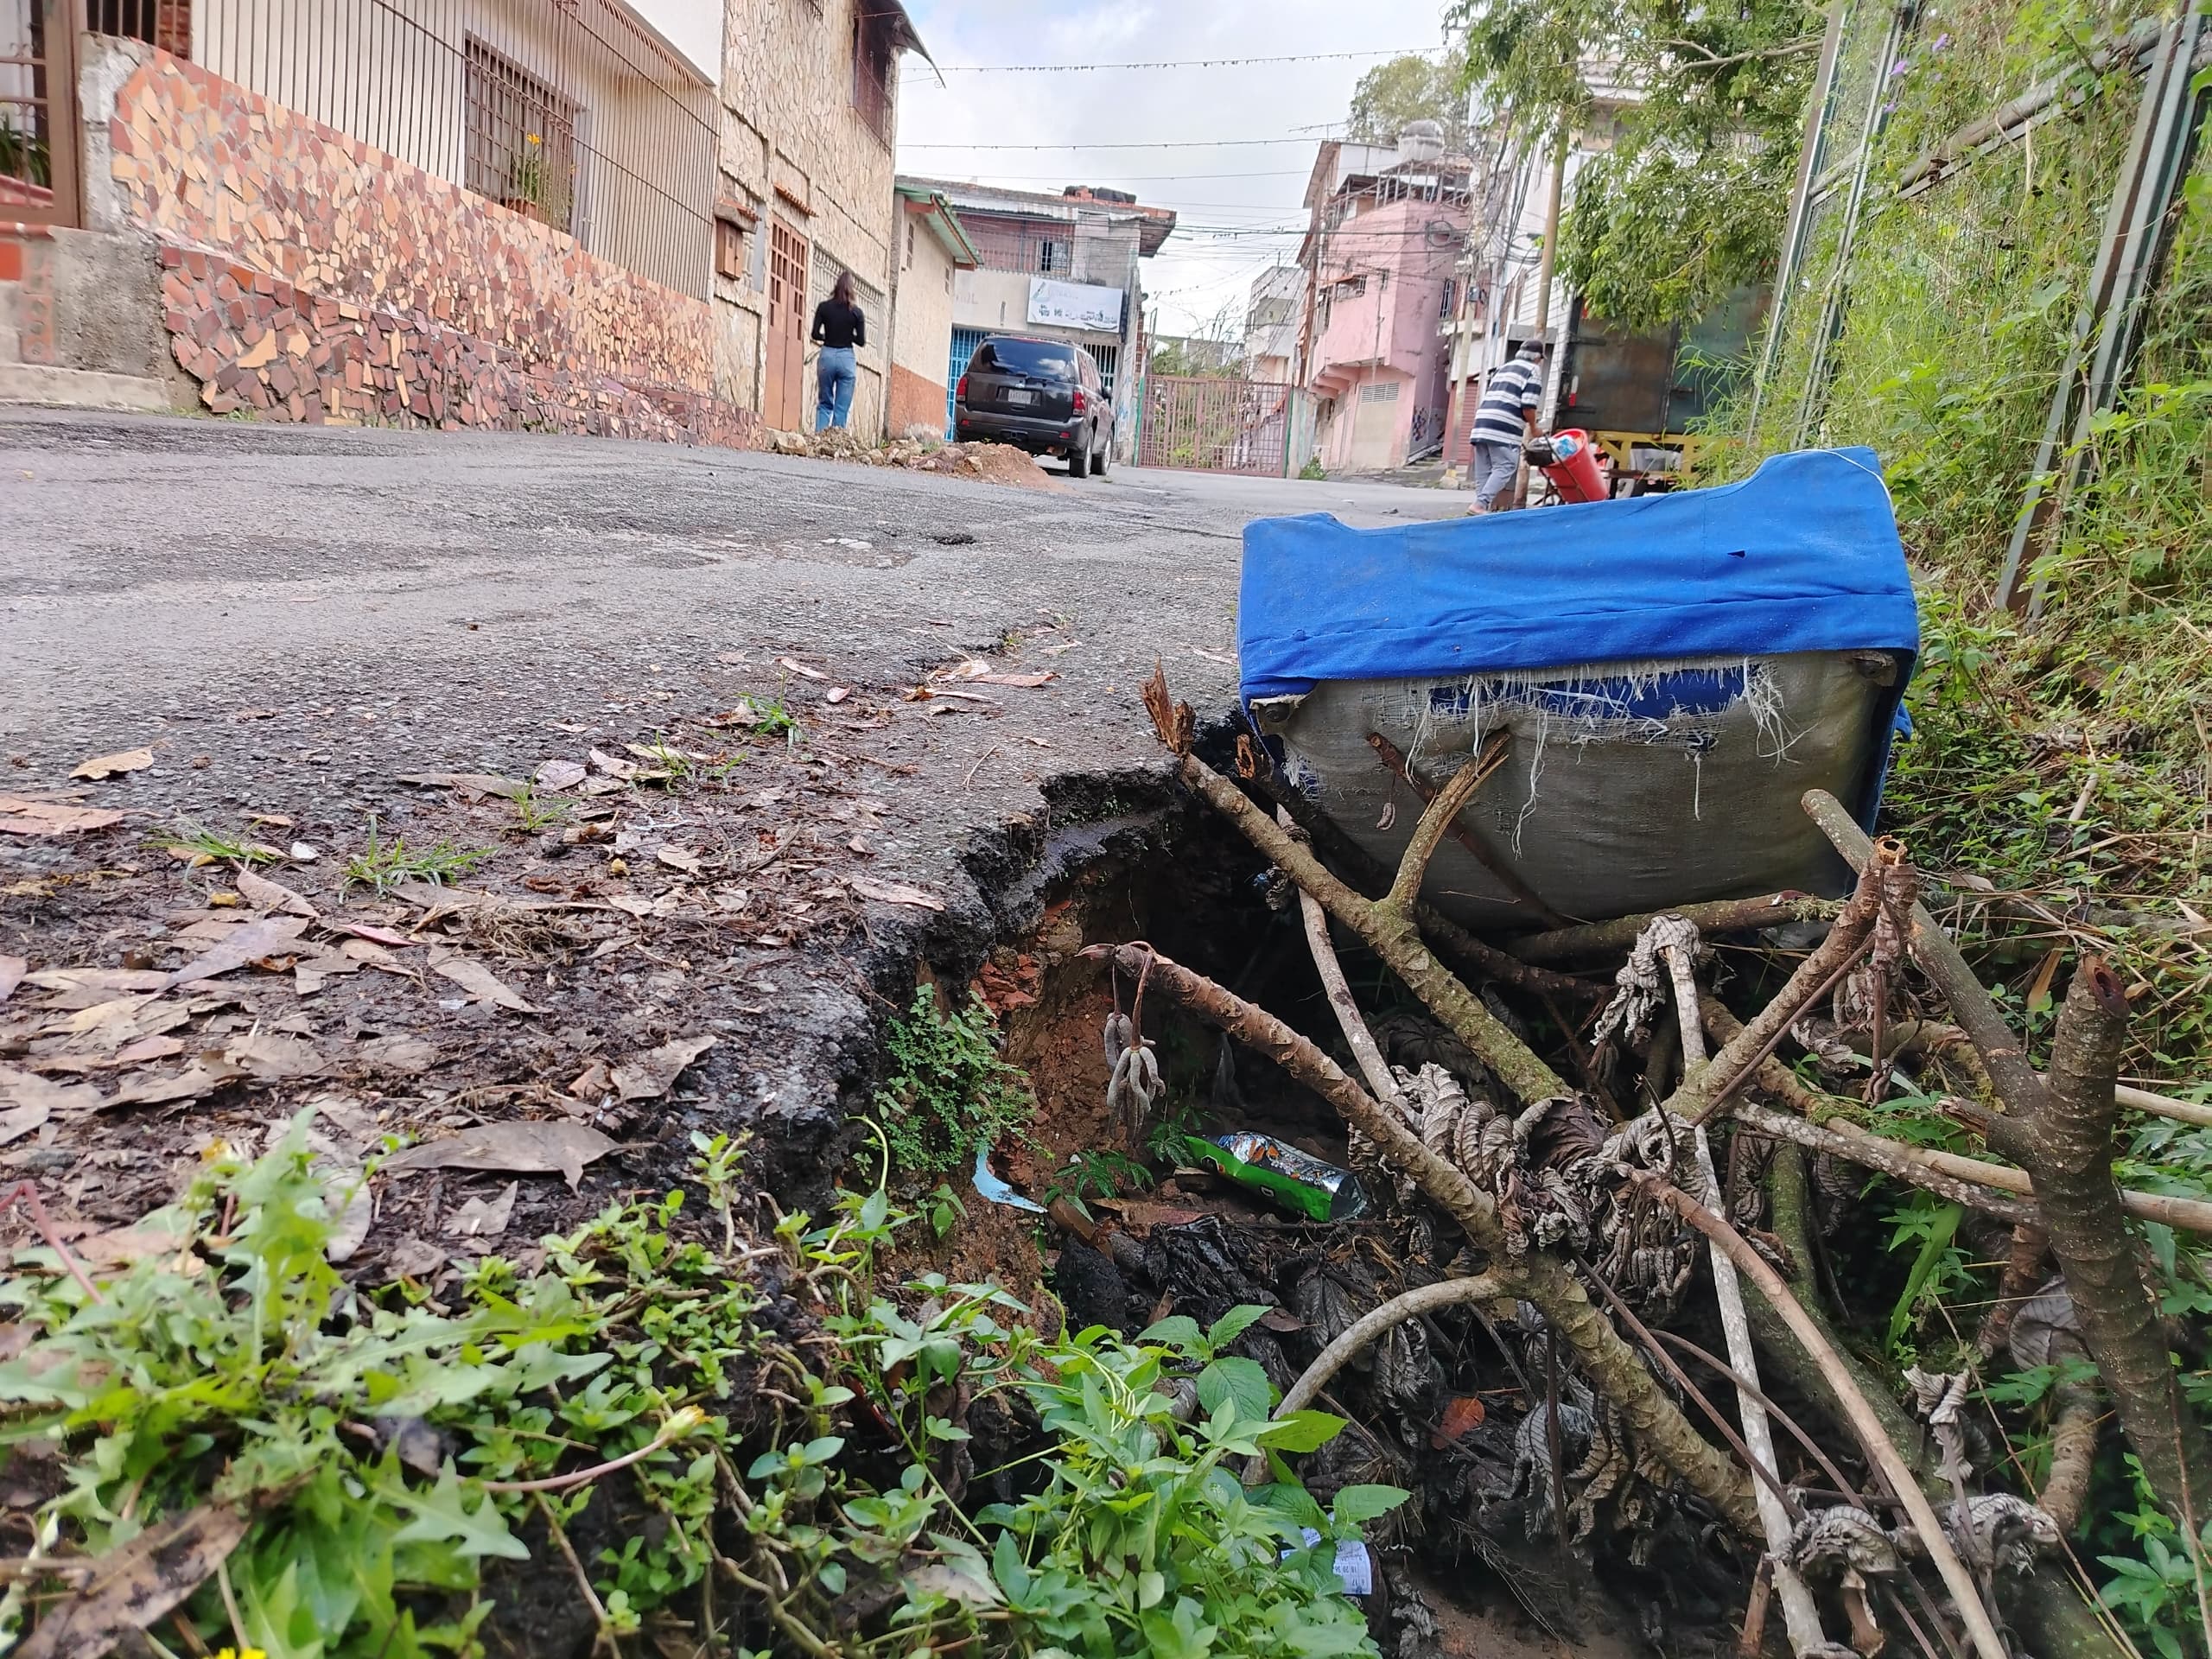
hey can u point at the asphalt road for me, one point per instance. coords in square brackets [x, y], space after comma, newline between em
[292, 619]
[448, 597]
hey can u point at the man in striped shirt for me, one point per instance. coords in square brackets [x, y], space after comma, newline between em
[1507, 411]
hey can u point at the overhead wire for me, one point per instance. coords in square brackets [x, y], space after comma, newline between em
[1171, 63]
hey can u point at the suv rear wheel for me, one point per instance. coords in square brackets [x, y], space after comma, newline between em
[1105, 454]
[1079, 461]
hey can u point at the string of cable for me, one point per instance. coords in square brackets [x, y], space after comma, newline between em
[1165, 63]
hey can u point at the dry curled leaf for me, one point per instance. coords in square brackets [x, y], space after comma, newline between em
[653, 1073]
[528, 1148]
[20, 816]
[247, 943]
[12, 970]
[263, 895]
[558, 775]
[482, 983]
[110, 765]
[130, 1587]
[482, 1218]
[468, 783]
[894, 892]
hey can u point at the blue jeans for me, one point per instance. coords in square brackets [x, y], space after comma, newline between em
[1495, 465]
[835, 377]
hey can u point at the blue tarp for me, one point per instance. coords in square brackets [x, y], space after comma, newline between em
[1802, 555]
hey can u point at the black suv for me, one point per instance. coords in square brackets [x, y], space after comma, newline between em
[1044, 396]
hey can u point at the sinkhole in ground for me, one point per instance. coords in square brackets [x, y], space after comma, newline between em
[1471, 1564]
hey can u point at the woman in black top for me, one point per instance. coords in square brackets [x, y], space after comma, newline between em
[838, 326]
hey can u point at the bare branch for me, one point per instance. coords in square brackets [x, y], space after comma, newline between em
[1441, 813]
[1864, 1423]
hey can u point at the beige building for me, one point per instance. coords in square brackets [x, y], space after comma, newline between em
[933, 246]
[810, 96]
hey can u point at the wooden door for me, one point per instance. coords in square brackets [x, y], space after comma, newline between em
[786, 407]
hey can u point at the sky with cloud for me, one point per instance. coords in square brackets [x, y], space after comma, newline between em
[1239, 203]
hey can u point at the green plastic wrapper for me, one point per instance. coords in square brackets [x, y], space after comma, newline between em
[1297, 1181]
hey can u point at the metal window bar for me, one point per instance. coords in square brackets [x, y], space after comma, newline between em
[1041, 247]
[628, 134]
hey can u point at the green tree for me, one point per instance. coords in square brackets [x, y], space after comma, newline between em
[1407, 89]
[1699, 111]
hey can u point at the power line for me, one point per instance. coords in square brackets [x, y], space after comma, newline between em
[1171, 63]
[1152, 144]
[1157, 178]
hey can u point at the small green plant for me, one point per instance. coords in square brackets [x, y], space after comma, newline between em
[1311, 471]
[949, 1091]
[943, 1208]
[216, 847]
[1092, 1173]
[382, 863]
[768, 717]
[532, 815]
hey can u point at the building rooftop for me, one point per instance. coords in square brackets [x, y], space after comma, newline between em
[1155, 224]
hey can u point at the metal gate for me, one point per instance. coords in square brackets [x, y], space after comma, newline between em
[964, 342]
[1215, 426]
[38, 111]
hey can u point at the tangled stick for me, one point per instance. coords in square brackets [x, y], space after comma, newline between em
[1540, 1278]
[1864, 1423]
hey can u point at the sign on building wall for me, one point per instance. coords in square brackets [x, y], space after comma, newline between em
[1074, 305]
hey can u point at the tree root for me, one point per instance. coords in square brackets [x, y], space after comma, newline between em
[2066, 1141]
[1884, 880]
[1862, 1417]
[1593, 940]
[1369, 1327]
[1386, 925]
[1609, 1363]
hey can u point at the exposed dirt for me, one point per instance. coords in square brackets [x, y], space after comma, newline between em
[992, 463]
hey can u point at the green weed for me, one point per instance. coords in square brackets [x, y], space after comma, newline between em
[378, 1450]
[214, 845]
[1094, 1174]
[532, 815]
[382, 863]
[949, 1089]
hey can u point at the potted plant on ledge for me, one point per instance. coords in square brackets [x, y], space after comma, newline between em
[529, 181]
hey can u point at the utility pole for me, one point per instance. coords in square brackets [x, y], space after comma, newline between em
[1546, 262]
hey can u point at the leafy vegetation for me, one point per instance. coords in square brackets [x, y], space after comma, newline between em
[383, 863]
[949, 1091]
[1416, 86]
[1687, 199]
[388, 1456]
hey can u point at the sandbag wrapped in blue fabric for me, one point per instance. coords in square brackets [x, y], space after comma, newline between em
[1675, 671]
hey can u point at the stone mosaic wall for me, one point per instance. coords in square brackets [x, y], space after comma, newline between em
[308, 276]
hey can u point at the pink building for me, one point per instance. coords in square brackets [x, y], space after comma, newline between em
[1388, 225]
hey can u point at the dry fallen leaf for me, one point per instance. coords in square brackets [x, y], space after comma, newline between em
[12, 970]
[653, 1073]
[23, 1091]
[19, 1120]
[196, 1079]
[409, 1056]
[417, 1258]
[1461, 1415]
[620, 770]
[483, 1218]
[131, 1587]
[469, 782]
[836, 694]
[301, 853]
[526, 1148]
[801, 668]
[592, 1082]
[381, 935]
[254, 940]
[1024, 680]
[894, 892]
[482, 983]
[22, 816]
[677, 859]
[263, 895]
[558, 775]
[110, 765]
[273, 1059]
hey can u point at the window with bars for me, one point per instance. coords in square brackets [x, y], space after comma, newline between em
[875, 60]
[1041, 247]
[522, 139]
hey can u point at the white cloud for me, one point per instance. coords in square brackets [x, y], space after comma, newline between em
[1222, 193]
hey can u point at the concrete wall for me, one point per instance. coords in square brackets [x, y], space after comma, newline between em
[1376, 351]
[921, 344]
[793, 147]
